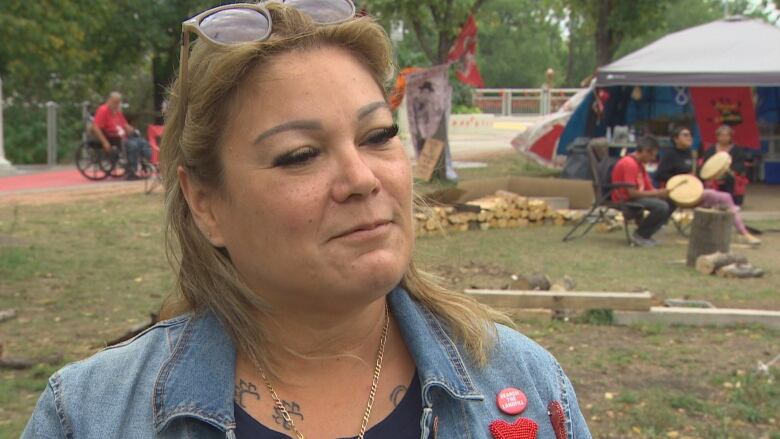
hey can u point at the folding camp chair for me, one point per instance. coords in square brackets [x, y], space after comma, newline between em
[601, 165]
[153, 179]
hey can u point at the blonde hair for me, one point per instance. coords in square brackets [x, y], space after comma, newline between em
[207, 280]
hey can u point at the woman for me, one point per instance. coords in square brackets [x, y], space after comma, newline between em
[679, 160]
[736, 181]
[300, 312]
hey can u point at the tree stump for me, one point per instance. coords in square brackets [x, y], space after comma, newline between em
[710, 233]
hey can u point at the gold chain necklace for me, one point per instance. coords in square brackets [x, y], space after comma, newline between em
[371, 395]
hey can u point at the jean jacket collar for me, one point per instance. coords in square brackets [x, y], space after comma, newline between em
[205, 354]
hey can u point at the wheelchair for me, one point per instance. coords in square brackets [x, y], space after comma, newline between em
[95, 163]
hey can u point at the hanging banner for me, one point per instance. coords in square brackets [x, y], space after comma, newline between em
[399, 89]
[428, 102]
[464, 54]
[733, 106]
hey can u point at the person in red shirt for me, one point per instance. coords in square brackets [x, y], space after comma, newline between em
[109, 124]
[631, 170]
[111, 128]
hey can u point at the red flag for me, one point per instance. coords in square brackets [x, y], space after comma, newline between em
[733, 106]
[464, 54]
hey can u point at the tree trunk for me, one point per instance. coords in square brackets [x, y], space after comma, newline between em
[710, 233]
[163, 70]
[605, 37]
[570, 58]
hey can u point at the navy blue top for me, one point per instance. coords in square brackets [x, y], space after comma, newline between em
[402, 422]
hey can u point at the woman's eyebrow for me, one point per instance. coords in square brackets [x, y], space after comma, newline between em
[312, 124]
[302, 124]
[370, 108]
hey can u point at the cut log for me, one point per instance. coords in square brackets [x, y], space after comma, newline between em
[563, 300]
[7, 314]
[538, 281]
[708, 264]
[519, 282]
[740, 271]
[564, 284]
[710, 233]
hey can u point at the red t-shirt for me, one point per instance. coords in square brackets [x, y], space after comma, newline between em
[112, 123]
[629, 170]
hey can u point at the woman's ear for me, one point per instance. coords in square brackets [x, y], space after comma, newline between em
[202, 205]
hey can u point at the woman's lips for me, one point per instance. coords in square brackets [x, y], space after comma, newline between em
[365, 231]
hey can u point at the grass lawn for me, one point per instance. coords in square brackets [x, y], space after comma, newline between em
[81, 273]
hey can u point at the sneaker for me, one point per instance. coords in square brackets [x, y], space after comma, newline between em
[132, 177]
[655, 241]
[642, 242]
[751, 240]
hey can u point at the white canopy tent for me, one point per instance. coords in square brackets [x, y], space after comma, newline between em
[735, 51]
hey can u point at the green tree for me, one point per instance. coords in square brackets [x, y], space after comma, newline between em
[47, 56]
[612, 21]
[69, 51]
[518, 41]
[435, 24]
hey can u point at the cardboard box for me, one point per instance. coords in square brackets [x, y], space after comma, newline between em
[578, 192]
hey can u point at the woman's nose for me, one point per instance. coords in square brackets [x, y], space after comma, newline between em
[355, 177]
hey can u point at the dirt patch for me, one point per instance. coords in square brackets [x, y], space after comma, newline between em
[10, 241]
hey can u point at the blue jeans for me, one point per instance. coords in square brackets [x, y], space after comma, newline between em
[137, 147]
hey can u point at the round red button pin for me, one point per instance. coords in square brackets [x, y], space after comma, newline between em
[511, 401]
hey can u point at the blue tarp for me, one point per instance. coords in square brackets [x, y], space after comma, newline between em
[768, 106]
[576, 126]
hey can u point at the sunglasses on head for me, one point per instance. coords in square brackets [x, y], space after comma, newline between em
[249, 22]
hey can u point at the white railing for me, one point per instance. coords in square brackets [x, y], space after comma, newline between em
[521, 101]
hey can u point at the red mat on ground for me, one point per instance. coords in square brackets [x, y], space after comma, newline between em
[43, 180]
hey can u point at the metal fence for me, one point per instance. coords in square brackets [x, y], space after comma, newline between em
[521, 101]
[39, 132]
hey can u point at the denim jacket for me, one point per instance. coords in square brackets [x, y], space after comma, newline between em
[176, 380]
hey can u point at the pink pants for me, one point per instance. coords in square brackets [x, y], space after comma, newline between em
[712, 198]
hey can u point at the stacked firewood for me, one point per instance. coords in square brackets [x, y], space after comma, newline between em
[614, 220]
[504, 210]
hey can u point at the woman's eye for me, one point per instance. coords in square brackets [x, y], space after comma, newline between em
[297, 157]
[382, 136]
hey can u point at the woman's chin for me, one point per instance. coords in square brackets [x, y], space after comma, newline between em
[375, 273]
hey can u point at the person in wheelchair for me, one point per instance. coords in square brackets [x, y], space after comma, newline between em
[112, 129]
[631, 170]
[679, 160]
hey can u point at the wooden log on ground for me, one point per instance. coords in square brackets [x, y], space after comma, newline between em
[563, 299]
[566, 283]
[710, 233]
[539, 281]
[740, 271]
[699, 317]
[708, 264]
[7, 314]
